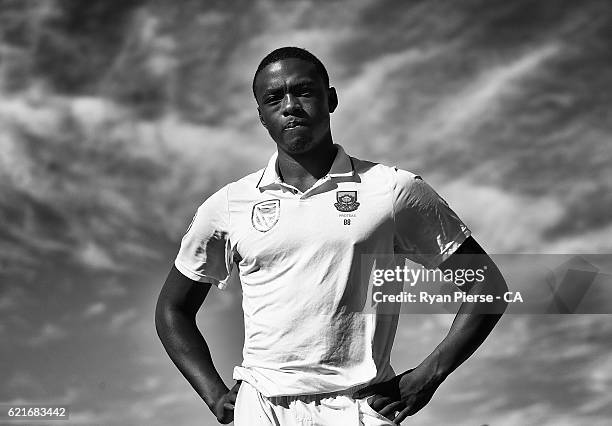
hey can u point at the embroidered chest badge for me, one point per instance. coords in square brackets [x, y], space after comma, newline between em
[347, 201]
[265, 215]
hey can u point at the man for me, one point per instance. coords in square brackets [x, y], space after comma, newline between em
[298, 231]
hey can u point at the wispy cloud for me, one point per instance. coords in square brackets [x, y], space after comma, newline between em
[94, 256]
[148, 384]
[502, 108]
[120, 320]
[94, 310]
[460, 114]
[49, 332]
[21, 383]
[512, 222]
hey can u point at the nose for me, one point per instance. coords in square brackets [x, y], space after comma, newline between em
[290, 104]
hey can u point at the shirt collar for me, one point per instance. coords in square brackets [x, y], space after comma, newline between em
[341, 167]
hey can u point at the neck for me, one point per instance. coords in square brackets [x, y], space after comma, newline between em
[302, 170]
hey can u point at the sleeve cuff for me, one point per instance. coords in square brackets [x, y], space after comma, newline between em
[450, 248]
[220, 284]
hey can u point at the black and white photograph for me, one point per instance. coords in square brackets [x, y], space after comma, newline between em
[305, 213]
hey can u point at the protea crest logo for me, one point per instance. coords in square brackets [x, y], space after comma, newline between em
[265, 215]
[347, 201]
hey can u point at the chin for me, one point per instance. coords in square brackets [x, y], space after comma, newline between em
[299, 146]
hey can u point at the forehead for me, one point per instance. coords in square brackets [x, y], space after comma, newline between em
[287, 71]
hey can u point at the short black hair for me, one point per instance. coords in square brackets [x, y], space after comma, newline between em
[290, 52]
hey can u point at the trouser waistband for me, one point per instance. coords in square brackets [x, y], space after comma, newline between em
[286, 399]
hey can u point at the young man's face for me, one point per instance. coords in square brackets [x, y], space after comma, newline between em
[294, 104]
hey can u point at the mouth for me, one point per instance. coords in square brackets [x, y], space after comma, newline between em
[294, 124]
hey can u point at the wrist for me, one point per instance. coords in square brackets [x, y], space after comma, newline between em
[437, 370]
[213, 395]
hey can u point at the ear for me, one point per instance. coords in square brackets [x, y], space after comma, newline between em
[261, 119]
[332, 99]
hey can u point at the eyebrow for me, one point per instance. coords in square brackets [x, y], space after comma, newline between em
[273, 88]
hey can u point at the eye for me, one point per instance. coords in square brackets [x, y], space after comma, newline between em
[271, 99]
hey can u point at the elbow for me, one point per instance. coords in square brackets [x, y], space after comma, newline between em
[160, 324]
[494, 287]
[163, 319]
[495, 282]
[169, 318]
[500, 286]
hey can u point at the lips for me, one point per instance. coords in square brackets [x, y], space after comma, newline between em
[294, 124]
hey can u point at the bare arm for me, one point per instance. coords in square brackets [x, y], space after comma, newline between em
[413, 389]
[471, 326]
[175, 313]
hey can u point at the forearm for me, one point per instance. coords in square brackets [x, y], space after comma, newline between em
[470, 327]
[190, 353]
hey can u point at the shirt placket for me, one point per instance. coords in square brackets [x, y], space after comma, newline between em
[317, 184]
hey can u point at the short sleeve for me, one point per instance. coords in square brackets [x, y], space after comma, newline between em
[427, 230]
[205, 252]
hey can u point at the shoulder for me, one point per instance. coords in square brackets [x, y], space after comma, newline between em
[244, 185]
[250, 180]
[408, 188]
[247, 183]
[391, 176]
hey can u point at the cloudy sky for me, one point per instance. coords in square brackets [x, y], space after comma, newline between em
[118, 118]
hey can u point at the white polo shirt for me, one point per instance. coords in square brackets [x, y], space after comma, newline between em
[299, 257]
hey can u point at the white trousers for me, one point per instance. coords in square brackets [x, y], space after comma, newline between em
[254, 409]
